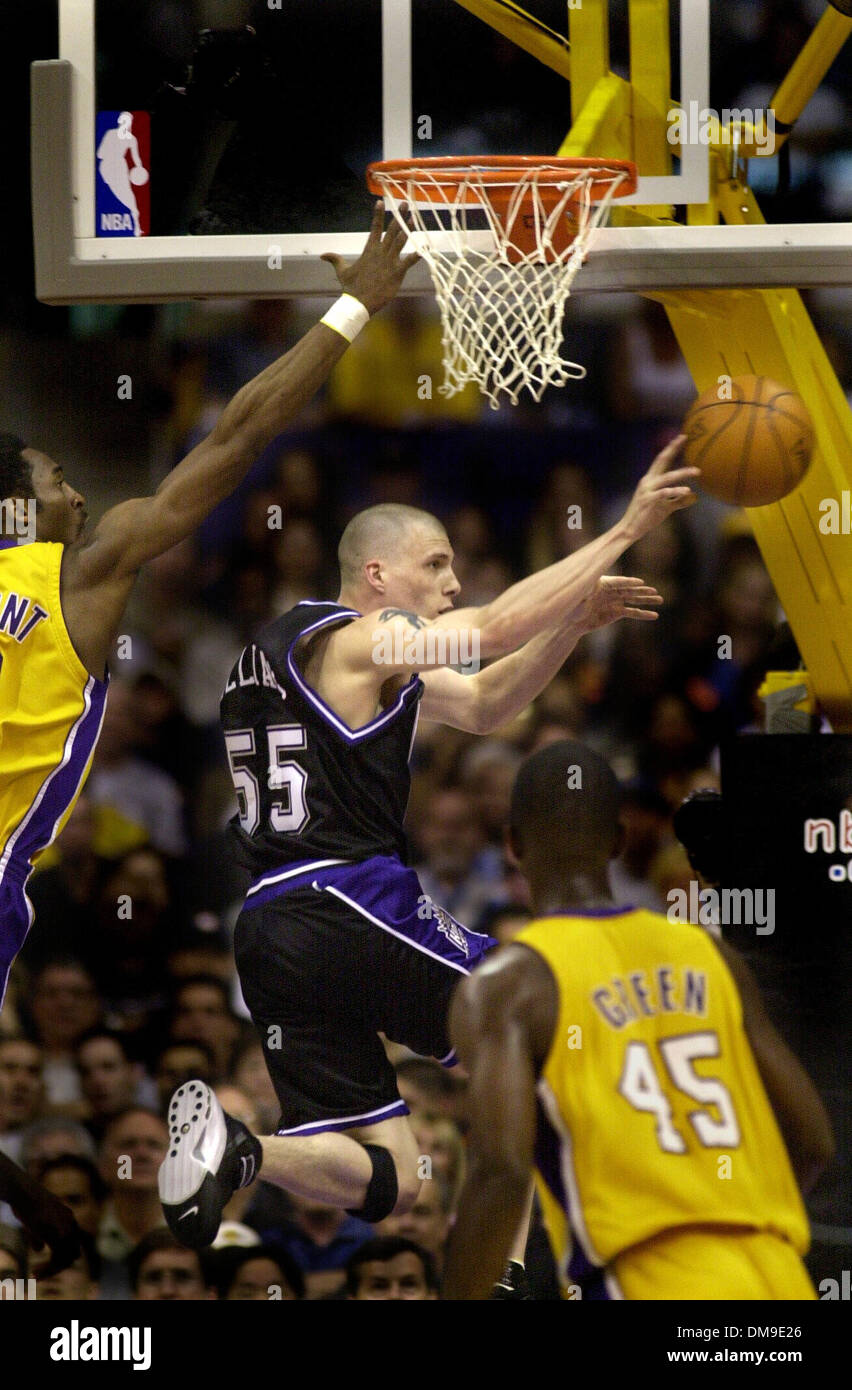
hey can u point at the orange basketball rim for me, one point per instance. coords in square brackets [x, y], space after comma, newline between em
[535, 198]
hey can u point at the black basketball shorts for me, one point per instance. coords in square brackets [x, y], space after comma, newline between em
[329, 955]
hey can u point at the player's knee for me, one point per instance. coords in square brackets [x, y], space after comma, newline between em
[409, 1191]
[383, 1188]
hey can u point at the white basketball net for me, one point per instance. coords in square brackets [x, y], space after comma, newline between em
[502, 318]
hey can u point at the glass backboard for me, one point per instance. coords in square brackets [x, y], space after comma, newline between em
[221, 155]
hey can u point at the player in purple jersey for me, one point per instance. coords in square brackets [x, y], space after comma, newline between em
[333, 945]
[99, 569]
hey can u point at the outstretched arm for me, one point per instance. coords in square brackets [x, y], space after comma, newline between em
[526, 609]
[482, 702]
[46, 1220]
[138, 530]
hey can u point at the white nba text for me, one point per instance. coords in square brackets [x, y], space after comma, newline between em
[820, 834]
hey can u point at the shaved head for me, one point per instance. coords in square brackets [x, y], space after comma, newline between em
[379, 533]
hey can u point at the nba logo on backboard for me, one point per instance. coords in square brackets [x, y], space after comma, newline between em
[122, 173]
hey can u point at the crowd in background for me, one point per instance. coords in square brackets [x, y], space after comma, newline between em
[126, 986]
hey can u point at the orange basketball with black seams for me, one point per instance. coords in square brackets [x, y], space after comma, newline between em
[753, 441]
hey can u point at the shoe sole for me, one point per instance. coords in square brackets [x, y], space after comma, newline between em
[197, 1138]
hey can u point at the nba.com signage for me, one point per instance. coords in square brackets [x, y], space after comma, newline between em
[122, 173]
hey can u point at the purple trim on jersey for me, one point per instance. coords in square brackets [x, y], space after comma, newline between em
[62, 786]
[547, 1155]
[351, 735]
[390, 895]
[548, 1148]
[16, 915]
[7, 545]
[372, 1117]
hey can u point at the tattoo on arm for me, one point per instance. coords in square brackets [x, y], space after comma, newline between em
[401, 613]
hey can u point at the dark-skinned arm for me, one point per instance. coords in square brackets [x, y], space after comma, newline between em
[46, 1220]
[801, 1115]
[140, 529]
[502, 1021]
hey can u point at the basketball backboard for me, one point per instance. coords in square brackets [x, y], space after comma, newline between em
[259, 139]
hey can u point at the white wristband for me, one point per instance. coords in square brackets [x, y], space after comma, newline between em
[346, 316]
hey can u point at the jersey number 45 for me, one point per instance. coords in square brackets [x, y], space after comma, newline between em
[640, 1086]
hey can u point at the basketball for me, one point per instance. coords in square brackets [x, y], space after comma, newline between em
[138, 175]
[752, 443]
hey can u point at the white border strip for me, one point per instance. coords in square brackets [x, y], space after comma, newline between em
[397, 113]
[77, 44]
[692, 184]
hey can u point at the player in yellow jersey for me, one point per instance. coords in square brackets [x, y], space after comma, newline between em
[63, 594]
[628, 1060]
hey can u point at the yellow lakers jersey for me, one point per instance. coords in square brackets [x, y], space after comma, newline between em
[651, 1111]
[51, 711]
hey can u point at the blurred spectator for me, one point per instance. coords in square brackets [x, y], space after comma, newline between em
[298, 484]
[673, 745]
[161, 1270]
[201, 1009]
[50, 1138]
[258, 1274]
[64, 1005]
[646, 823]
[459, 872]
[134, 928]
[321, 1239]
[64, 893]
[391, 1268]
[429, 1089]
[77, 1182]
[301, 567]
[648, 377]
[442, 1140]
[565, 518]
[478, 566]
[21, 1091]
[109, 1077]
[134, 1145]
[179, 1062]
[670, 871]
[163, 734]
[428, 1221]
[250, 1074]
[487, 773]
[75, 1284]
[201, 956]
[145, 797]
[748, 613]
